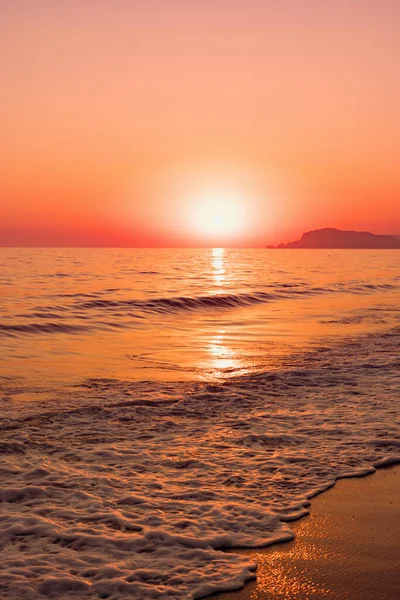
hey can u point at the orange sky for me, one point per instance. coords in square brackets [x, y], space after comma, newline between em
[116, 114]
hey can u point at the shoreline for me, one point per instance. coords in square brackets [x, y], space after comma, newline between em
[157, 485]
[346, 548]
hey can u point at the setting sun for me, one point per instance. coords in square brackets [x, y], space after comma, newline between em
[218, 213]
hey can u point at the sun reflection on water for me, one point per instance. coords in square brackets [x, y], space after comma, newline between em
[218, 265]
[222, 357]
[223, 360]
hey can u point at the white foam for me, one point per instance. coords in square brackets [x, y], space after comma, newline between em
[128, 491]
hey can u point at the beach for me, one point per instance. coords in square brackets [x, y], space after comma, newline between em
[347, 548]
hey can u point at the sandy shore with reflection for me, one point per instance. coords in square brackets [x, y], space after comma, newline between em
[348, 548]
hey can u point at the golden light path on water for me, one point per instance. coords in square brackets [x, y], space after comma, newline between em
[218, 265]
[222, 357]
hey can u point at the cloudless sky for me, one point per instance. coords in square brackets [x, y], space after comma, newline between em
[116, 115]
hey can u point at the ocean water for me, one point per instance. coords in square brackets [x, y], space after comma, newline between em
[160, 406]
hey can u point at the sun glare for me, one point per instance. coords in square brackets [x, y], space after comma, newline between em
[218, 213]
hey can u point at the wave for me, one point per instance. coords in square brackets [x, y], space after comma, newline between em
[86, 306]
[177, 303]
[33, 328]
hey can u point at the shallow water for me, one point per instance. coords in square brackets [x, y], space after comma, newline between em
[161, 405]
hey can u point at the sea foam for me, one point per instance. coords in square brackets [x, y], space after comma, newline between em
[126, 490]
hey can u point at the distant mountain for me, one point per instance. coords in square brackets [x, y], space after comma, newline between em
[336, 239]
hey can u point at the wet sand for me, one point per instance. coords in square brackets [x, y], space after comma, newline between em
[347, 549]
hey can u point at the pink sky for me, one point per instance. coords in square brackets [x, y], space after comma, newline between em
[110, 108]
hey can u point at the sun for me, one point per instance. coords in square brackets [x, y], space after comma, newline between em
[218, 213]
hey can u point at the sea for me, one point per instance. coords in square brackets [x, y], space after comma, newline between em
[161, 406]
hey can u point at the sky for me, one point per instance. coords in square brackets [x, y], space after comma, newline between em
[197, 122]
